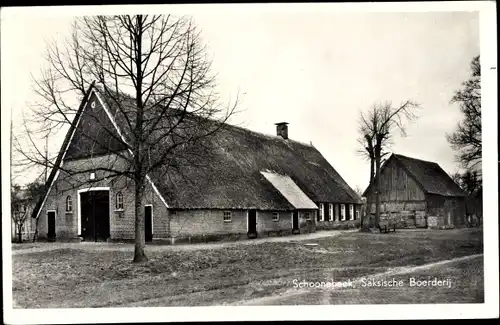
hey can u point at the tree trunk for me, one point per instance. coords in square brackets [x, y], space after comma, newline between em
[378, 185]
[19, 233]
[35, 235]
[371, 185]
[362, 213]
[140, 238]
[372, 169]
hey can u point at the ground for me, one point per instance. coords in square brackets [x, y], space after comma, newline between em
[258, 272]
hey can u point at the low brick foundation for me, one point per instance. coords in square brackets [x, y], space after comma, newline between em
[338, 225]
[210, 238]
[59, 240]
[229, 237]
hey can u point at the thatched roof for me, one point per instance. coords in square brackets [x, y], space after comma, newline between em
[231, 175]
[428, 175]
[227, 171]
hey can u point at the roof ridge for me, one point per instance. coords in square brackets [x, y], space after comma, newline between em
[268, 135]
[262, 134]
[418, 159]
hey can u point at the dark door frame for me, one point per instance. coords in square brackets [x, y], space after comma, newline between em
[295, 215]
[51, 236]
[152, 222]
[79, 205]
[253, 234]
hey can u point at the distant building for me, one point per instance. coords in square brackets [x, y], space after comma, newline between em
[418, 193]
[250, 185]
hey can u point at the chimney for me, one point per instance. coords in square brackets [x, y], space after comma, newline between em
[282, 129]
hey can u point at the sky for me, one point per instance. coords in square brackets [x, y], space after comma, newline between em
[315, 69]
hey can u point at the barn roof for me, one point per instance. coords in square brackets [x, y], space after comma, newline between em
[228, 175]
[429, 175]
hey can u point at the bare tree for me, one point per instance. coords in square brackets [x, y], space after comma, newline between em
[19, 211]
[376, 129]
[469, 181]
[154, 72]
[22, 202]
[467, 137]
[358, 191]
[366, 150]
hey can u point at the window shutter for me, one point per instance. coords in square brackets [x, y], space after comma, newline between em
[327, 214]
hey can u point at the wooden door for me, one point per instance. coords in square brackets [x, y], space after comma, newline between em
[148, 223]
[51, 225]
[252, 223]
[295, 222]
[101, 214]
[95, 215]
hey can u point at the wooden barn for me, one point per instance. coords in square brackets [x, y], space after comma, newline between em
[417, 193]
[246, 184]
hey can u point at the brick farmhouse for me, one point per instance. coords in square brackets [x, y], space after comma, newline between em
[417, 193]
[247, 185]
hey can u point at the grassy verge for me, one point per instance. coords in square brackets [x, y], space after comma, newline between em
[77, 278]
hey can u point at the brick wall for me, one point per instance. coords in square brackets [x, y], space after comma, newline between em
[307, 225]
[266, 226]
[210, 222]
[122, 222]
[185, 223]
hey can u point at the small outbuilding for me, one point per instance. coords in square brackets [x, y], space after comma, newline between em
[417, 193]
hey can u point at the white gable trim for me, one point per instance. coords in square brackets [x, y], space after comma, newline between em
[92, 91]
[64, 154]
[111, 118]
[156, 191]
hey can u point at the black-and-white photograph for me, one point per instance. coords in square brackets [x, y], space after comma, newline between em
[229, 155]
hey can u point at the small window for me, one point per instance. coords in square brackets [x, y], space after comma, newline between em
[356, 216]
[351, 211]
[227, 216]
[308, 215]
[69, 204]
[119, 201]
[330, 210]
[342, 212]
[92, 175]
[276, 216]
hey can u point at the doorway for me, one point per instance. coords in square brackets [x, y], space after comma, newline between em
[295, 222]
[95, 215]
[252, 223]
[51, 225]
[148, 222]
